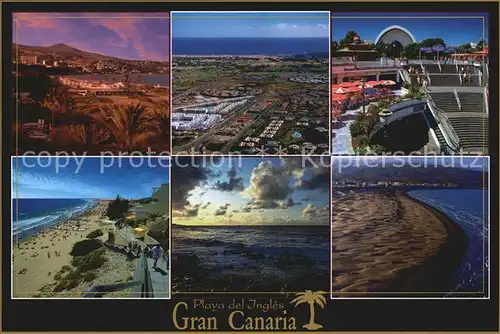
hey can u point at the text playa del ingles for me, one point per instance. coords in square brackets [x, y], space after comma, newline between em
[236, 319]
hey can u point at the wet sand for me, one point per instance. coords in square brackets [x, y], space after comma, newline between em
[34, 270]
[385, 241]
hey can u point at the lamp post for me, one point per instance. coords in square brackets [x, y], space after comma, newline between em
[384, 114]
[363, 81]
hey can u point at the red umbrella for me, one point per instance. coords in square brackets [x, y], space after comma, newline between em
[367, 85]
[388, 83]
[341, 91]
[335, 87]
[373, 83]
[338, 97]
[353, 89]
[347, 84]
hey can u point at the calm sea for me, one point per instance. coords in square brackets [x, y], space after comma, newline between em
[248, 46]
[260, 258]
[469, 209]
[31, 215]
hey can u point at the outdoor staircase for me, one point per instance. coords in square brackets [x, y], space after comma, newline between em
[445, 80]
[472, 129]
[470, 123]
[445, 101]
[472, 102]
[449, 69]
[434, 126]
[432, 68]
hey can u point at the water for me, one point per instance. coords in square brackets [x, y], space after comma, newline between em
[466, 208]
[249, 46]
[148, 79]
[32, 215]
[257, 258]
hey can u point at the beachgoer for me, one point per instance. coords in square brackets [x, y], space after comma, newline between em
[158, 253]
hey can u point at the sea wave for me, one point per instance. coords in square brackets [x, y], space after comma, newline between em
[22, 228]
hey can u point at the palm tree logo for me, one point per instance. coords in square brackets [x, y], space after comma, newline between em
[311, 298]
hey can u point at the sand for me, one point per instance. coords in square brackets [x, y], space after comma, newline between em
[33, 269]
[384, 241]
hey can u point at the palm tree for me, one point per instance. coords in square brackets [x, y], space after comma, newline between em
[161, 118]
[311, 298]
[127, 123]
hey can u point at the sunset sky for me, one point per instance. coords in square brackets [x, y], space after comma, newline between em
[138, 36]
[250, 191]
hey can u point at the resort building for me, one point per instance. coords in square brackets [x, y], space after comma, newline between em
[159, 203]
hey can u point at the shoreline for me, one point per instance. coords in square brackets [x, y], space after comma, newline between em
[396, 245]
[38, 260]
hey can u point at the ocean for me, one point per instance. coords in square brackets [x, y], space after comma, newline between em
[32, 215]
[248, 46]
[466, 208]
[149, 79]
[250, 258]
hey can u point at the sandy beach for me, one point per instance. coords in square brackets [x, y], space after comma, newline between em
[385, 241]
[40, 257]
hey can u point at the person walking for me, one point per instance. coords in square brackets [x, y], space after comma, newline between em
[158, 253]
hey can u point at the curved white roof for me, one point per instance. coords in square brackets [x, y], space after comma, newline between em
[395, 27]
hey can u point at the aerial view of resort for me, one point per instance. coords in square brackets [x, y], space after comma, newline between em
[409, 83]
[79, 231]
[250, 82]
[250, 224]
[91, 82]
[410, 227]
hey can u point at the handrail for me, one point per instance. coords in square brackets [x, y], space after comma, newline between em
[449, 135]
[456, 65]
[439, 65]
[486, 104]
[142, 281]
[457, 99]
[480, 78]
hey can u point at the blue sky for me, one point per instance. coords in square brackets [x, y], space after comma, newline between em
[250, 25]
[257, 191]
[454, 31]
[71, 178]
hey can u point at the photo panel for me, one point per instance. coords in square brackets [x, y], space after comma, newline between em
[406, 83]
[80, 231]
[250, 225]
[91, 83]
[410, 227]
[255, 83]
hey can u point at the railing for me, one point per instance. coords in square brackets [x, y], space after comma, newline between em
[457, 99]
[480, 78]
[439, 65]
[142, 283]
[486, 104]
[446, 128]
[405, 75]
[456, 65]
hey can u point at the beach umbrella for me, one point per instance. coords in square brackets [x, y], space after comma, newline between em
[388, 83]
[373, 83]
[338, 97]
[347, 84]
[341, 91]
[367, 85]
[356, 89]
[335, 87]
